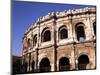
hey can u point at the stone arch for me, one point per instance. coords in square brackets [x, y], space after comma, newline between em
[33, 66]
[46, 35]
[35, 40]
[64, 64]
[63, 32]
[83, 61]
[44, 65]
[29, 42]
[80, 31]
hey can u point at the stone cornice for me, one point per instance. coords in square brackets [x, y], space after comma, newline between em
[64, 13]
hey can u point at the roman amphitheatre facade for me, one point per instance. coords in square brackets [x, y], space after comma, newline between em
[61, 41]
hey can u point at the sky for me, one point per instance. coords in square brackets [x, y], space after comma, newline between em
[23, 14]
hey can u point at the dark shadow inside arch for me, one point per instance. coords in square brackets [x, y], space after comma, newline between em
[94, 28]
[64, 64]
[63, 34]
[29, 42]
[47, 36]
[35, 40]
[83, 60]
[24, 67]
[33, 64]
[80, 32]
[45, 65]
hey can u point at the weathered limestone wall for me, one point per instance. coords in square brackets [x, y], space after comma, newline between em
[69, 47]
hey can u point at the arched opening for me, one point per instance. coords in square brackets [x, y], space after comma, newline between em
[64, 64]
[80, 32]
[83, 60]
[45, 65]
[24, 68]
[29, 42]
[46, 35]
[94, 28]
[33, 64]
[34, 40]
[63, 33]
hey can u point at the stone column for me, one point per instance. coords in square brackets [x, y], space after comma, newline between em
[57, 65]
[74, 37]
[93, 58]
[71, 34]
[91, 27]
[88, 29]
[29, 61]
[38, 44]
[38, 35]
[36, 60]
[52, 67]
[55, 43]
[72, 61]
